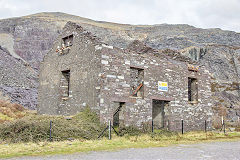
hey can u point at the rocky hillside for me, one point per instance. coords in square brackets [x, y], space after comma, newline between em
[25, 40]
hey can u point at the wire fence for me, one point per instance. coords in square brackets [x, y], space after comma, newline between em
[183, 127]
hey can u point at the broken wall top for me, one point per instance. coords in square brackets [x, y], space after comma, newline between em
[136, 47]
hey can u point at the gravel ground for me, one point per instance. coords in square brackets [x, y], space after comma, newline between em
[206, 151]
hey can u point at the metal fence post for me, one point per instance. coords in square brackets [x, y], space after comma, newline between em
[224, 127]
[109, 130]
[168, 124]
[205, 126]
[50, 131]
[152, 126]
[182, 126]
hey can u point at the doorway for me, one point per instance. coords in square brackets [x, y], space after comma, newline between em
[118, 114]
[158, 114]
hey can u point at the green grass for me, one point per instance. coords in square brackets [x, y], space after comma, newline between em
[35, 128]
[142, 141]
[28, 136]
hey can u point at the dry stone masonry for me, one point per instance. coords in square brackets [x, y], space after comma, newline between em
[123, 85]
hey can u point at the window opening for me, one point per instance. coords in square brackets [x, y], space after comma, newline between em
[192, 89]
[67, 41]
[65, 84]
[136, 82]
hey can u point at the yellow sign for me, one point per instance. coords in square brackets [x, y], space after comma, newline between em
[162, 86]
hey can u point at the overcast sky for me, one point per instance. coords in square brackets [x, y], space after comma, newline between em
[223, 14]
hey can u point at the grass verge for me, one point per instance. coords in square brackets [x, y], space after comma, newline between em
[141, 141]
[35, 128]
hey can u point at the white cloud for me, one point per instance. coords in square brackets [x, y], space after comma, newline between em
[200, 13]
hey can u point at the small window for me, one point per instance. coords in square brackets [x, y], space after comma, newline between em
[65, 84]
[136, 82]
[65, 47]
[192, 90]
[68, 41]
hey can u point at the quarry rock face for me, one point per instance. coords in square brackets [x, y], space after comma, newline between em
[24, 41]
[23, 44]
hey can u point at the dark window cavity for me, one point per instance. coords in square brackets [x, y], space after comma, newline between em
[65, 84]
[68, 41]
[136, 82]
[192, 89]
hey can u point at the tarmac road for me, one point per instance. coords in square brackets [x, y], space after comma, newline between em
[204, 151]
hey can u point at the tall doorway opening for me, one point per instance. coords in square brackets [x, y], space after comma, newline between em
[118, 114]
[158, 114]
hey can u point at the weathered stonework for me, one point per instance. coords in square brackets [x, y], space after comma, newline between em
[101, 76]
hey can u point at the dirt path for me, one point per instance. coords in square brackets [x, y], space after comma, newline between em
[205, 151]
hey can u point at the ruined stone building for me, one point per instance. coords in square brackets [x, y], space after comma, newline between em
[127, 86]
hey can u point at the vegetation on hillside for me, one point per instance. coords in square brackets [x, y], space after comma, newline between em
[34, 128]
[10, 111]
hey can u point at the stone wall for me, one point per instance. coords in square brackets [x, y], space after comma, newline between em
[101, 77]
[82, 62]
[138, 110]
